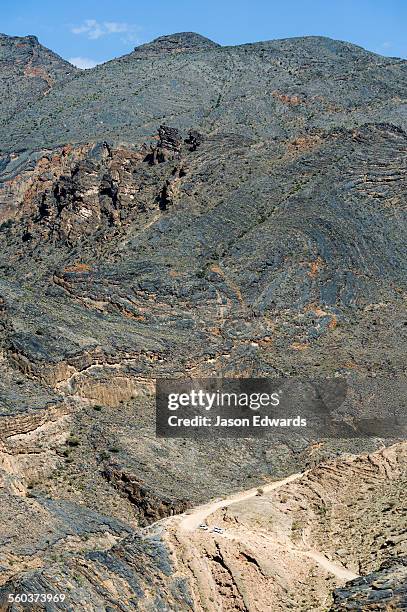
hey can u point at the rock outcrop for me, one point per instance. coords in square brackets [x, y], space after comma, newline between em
[181, 42]
[168, 146]
[384, 589]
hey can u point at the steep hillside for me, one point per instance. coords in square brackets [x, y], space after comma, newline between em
[284, 548]
[192, 210]
[275, 89]
[28, 71]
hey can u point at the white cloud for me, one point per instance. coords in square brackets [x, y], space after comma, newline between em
[83, 62]
[112, 27]
[93, 29]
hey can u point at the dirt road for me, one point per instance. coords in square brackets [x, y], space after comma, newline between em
[196, 516]
[190, 521]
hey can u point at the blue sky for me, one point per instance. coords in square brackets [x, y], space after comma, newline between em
[93, 31]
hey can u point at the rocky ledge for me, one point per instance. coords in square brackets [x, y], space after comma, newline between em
[385, 589]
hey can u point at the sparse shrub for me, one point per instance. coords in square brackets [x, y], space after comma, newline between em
[6, 224]
[73, 441]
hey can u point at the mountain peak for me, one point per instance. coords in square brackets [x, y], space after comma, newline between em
[177, 43]
[20, 39]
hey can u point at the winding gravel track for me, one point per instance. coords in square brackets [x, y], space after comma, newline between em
[190, 521]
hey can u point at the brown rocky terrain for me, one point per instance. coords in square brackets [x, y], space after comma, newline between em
[285, 545]
[290, 543]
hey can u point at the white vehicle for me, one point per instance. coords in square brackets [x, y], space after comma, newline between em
[217, 530]
[203, 526]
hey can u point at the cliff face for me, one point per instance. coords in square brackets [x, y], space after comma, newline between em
[258, 251]
[186, 210]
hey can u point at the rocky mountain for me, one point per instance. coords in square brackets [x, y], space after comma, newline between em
[181, 42]
[28, 72]
[192, 210]
[275, 89]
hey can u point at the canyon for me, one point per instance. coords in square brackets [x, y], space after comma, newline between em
[193, 211]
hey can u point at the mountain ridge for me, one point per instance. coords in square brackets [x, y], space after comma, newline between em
[276, 89]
